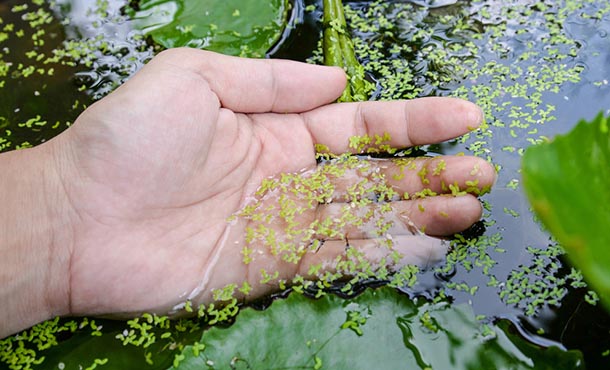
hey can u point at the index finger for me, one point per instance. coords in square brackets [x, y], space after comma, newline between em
[260, 85]
[411, 122]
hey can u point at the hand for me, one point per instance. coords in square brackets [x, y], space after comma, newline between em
[153, 171]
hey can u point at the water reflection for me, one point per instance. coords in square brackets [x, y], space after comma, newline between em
[117, 51]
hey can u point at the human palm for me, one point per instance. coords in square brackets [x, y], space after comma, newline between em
[154, 171]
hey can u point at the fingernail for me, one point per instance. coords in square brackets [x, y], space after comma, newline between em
[476, 117]
[406, 220]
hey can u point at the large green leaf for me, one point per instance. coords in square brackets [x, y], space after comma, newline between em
[235, 27]
[378, 329]
[568, 184]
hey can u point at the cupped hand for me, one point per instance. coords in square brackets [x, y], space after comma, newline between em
[154, 171]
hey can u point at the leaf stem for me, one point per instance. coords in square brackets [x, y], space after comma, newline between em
[339, 51]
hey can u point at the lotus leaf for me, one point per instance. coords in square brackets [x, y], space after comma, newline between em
[234, 27]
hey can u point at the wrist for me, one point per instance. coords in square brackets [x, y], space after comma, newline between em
[35, 239]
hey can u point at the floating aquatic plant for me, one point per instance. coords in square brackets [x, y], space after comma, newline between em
[378, 327]
[567, 183]
[279, 219]
[234, 27]
[413, 51]
[481, 52]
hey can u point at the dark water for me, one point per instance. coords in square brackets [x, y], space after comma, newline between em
[54, 97]
[571, 324]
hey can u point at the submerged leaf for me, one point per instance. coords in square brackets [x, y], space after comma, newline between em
[568, 182]
[378, 329]
[234, 27]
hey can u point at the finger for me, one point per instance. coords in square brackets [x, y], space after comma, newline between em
[436, 216]
[409, 176]
[260, 85]
[413, 122]
[420, 250]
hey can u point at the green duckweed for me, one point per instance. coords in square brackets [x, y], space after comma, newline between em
[409, 52]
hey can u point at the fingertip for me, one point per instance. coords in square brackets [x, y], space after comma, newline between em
[303, 86]
[484, 174]
[465, 115]
[463, 212]
[335, 80]
[458, 214]
[436, 119]
[490, 174]
[474, 175]
[341, 75]
[446, 215]
[475, 116]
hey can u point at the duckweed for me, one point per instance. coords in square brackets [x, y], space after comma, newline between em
[408, 51]
[469, 52]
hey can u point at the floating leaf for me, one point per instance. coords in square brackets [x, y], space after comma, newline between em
[234, 27]
[568, 182]
[378, 329]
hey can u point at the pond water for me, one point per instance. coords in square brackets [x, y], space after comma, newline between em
[503, 40]
[536, 67]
